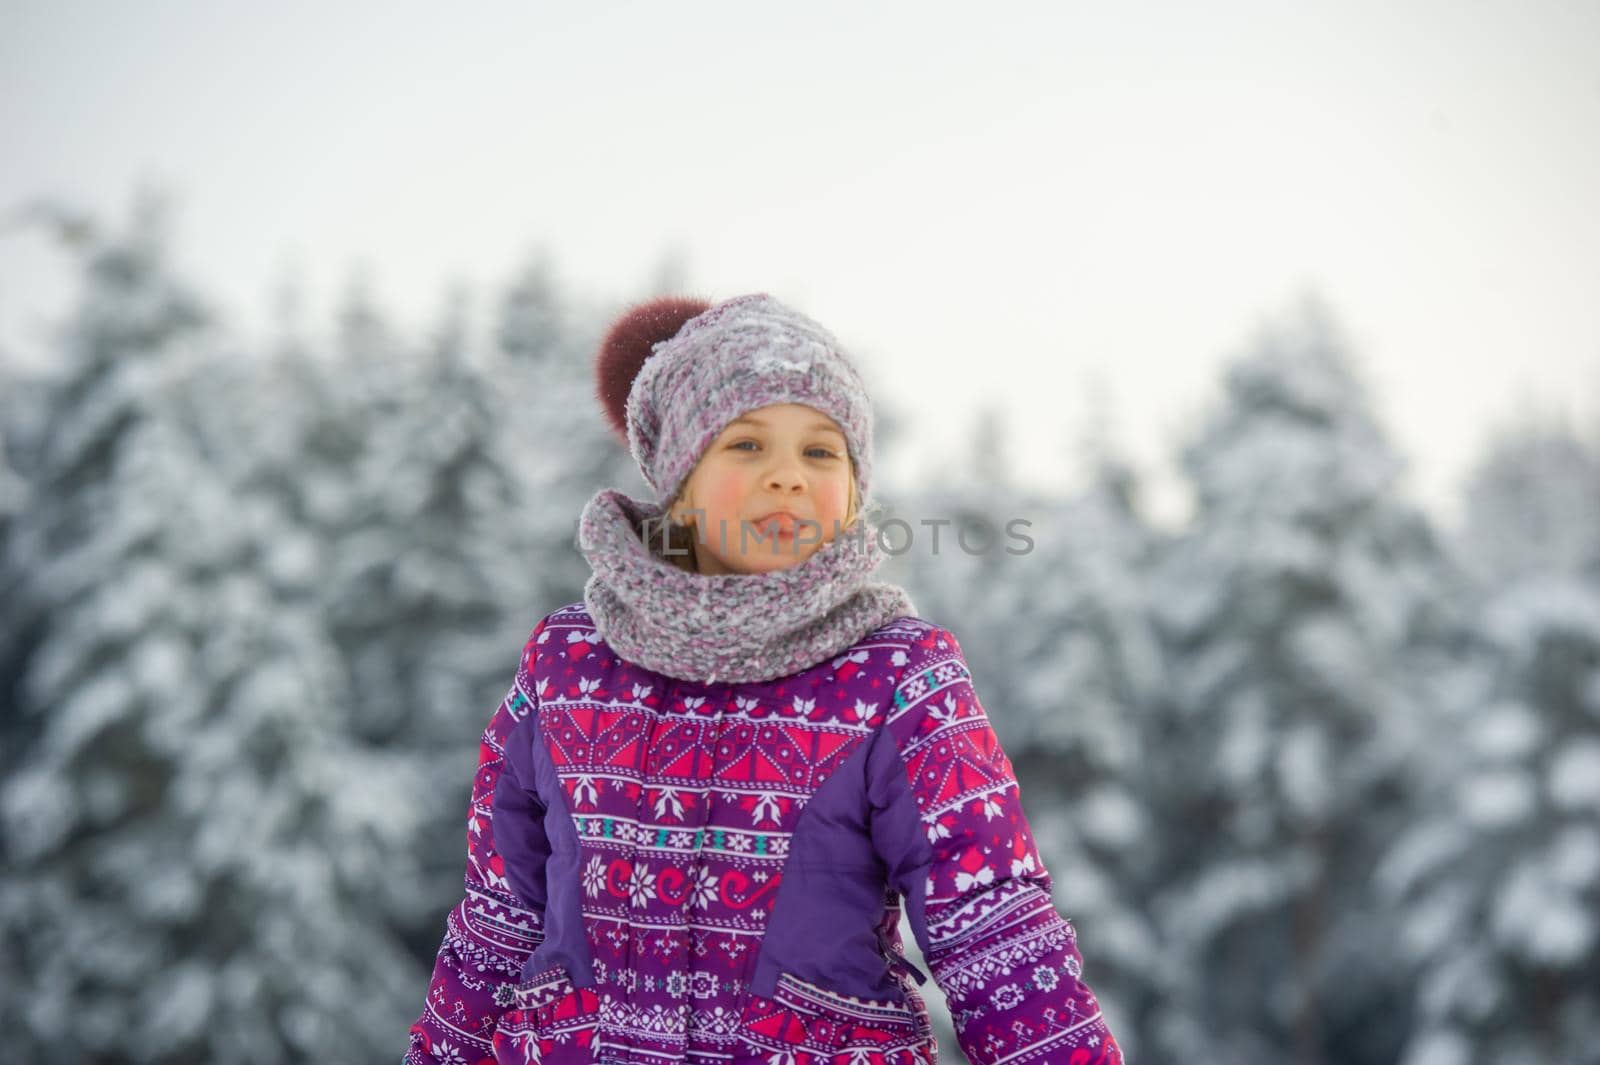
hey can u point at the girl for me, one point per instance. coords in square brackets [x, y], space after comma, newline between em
[713, 781]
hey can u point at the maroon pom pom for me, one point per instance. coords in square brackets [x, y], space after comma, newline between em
[627, 345]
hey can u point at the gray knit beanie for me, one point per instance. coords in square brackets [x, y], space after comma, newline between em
[672, 373]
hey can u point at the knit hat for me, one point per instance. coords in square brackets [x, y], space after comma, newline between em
[673, 372]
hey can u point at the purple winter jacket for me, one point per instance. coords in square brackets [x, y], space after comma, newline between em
[665, 871]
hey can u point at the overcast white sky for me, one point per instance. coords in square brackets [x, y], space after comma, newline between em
[989, 205]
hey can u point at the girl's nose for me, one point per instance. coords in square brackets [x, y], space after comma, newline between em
[786, 478]
[787, 484]
[786, 472]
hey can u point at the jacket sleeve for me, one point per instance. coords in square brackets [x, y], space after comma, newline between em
[491, 932]
[948, 823]
[518, 817]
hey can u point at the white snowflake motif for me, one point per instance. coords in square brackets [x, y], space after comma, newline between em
[1020, 866]
[777, 846]
[804, 706]
[641, 692]
[586, 685]
[991, 807]
[693, 702]
[746, 703]
[448, 1053]
[1006, 996]
[739, 843]
[669, 797]
[600, 972]
[594, 876]
[676, 984]
[766, 807]
[641, 885]
[862, 711]
[1045, 978]
[857, 657]
[584, 793]
[966, 881]
[681, 841]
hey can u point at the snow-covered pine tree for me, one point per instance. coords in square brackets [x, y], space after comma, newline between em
[1087, 664]
[1499, 878]
[1289, 609]
[544, 370]
[188, 860]
[65, 424]
[439, 585]
[1532, 504]
[1090, 666]
[947, 543]
[71, 618]
[1047, 611]
[497, 451]
[429, 571]
[21, 401]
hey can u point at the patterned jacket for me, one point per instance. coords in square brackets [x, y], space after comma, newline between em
[663, 871]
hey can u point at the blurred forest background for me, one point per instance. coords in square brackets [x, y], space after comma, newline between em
[1317, 781]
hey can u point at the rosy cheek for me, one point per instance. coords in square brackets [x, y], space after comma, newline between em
[835, 501]
[724, 494]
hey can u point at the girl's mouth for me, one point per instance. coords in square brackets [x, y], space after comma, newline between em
[780, 524]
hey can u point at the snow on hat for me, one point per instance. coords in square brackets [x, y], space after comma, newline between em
[673, 372]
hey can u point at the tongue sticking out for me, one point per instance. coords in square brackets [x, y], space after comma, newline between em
[777, 525]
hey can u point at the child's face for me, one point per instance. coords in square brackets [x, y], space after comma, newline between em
[769, 491]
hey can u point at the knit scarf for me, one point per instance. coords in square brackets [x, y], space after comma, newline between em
[735, 628]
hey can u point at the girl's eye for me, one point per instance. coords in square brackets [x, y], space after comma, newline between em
[818, 453]
[740, 444]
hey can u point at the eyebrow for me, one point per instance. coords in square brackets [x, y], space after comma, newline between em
[814, 427]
